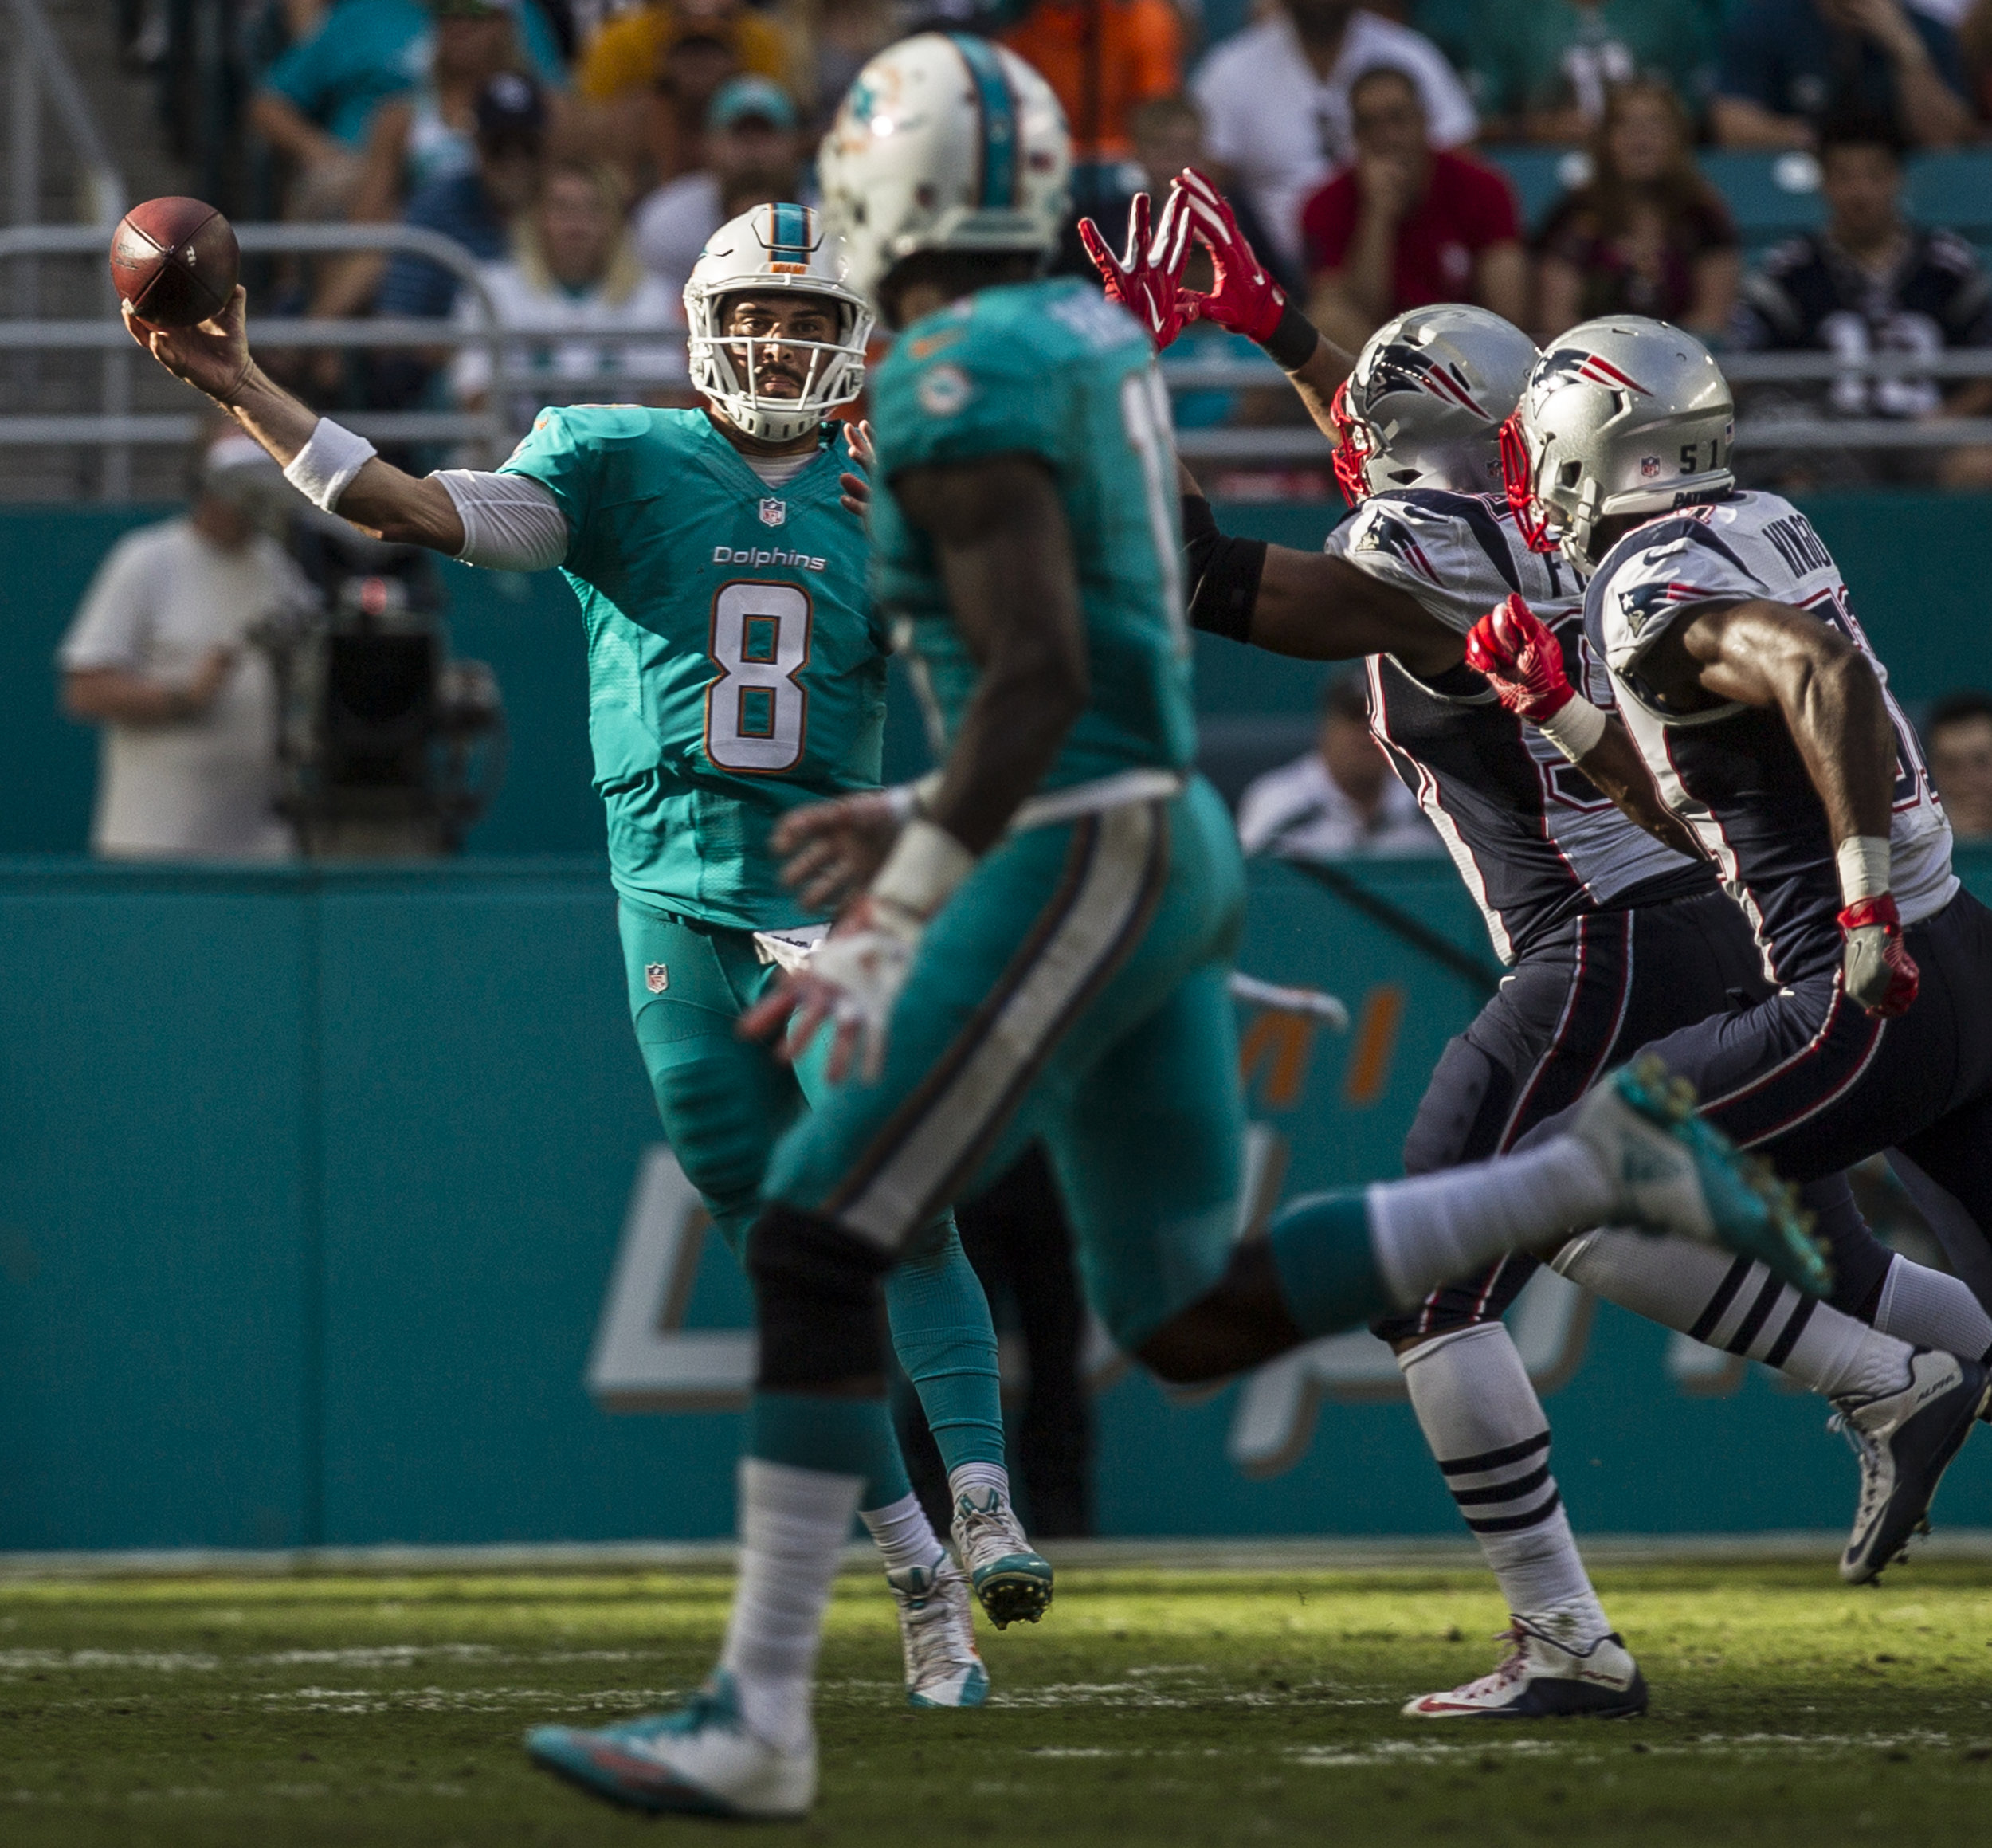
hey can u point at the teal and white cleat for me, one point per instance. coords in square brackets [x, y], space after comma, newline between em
[1013, 1580]
[700, 1761]
[937, 1632]
[1674, 1172]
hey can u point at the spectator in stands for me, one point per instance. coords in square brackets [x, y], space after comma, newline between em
[1788, 65]
[162, 657]
[839, 38]
[1277, 108]
[1959, 732]
[751, 145]
[1544, 69]
[1407, 224]
[1870, 282]
[627, 55]
[1646, 234]
[1974, 44]
[1101, 58]
[1340, 797]
[573, 274]
[317, 102]
[663, 134]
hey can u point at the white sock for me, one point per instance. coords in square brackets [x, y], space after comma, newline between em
[904, 1536]
[1432, 1228]
[793, 1524]
[1738, 1306]
[1929, 1309]
[1486, 1429]
[964, 1477]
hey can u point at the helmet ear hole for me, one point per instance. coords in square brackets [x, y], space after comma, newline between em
[1570, 474]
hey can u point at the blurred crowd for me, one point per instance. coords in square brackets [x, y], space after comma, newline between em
[581, 151]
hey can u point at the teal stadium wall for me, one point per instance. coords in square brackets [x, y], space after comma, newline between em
[311, 1181]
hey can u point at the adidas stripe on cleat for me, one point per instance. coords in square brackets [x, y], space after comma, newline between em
[1013, 1580]
[1905, 1440]
[1674, 1172]
[699, 1761]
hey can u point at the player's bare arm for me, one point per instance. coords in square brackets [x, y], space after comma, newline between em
[213, 357]
[1006, 555]
[1761, 653]
[1618, 770]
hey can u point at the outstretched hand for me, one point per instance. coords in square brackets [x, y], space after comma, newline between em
[1522, 659]
[855, 488]
[1243, 296]
[212, 356]
[832, 850]
[1147, 280]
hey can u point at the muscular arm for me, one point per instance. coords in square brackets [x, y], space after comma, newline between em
[1769, 654]
[1615, 766]
[1006, 560]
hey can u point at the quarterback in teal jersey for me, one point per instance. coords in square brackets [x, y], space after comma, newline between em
[736, 670]
[1036, 941]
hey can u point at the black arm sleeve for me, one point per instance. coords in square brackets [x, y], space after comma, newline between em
[1223, 573]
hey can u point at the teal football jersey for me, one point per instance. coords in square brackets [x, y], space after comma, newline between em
[735, 667]
[1048, 369]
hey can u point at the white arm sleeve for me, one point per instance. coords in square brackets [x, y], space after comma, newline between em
[510, 522]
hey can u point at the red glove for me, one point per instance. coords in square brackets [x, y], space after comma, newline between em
[1514, 648]
[1246, 299]
[1147, 282]
[1876, 968]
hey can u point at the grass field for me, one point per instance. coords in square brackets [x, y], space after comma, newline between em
[1149, 1707]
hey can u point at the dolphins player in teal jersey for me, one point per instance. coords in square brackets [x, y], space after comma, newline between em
[737, 670]
[1036, 941]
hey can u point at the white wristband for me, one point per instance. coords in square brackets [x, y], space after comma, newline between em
[323, 469]
[910, 799]
[1863, 860]
[926, 863]
[1576, 729]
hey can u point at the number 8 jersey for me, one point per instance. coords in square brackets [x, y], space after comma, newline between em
[735, 669]
[1731, 772]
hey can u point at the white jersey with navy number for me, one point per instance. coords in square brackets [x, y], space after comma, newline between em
[1732, 772]
[1533, 839]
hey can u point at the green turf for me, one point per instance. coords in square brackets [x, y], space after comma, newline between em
[1147, 1708]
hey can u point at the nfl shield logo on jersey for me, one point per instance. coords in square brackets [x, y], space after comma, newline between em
[656, 977]
[774, 512]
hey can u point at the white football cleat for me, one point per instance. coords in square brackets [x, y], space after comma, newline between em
[700, 1760]
[1011, 1577]
[1905, 1440]
[937, 1633]
[1544, 1679]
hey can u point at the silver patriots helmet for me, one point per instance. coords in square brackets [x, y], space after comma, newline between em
[1425, 404]
[1620, 415]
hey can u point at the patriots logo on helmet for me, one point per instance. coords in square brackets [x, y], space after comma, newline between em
[1387, 534]
[1573, 365]
[1399, 368]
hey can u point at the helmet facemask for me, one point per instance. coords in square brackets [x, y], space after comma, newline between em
[1518, 479]
[732, 369]
[1353, 453]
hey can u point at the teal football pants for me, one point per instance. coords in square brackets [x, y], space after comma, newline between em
[725, 1102]
[1074, 988]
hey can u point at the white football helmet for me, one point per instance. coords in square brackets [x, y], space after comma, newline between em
[775, 249]
[1621, 415]
[944, 142]
[1425, 404]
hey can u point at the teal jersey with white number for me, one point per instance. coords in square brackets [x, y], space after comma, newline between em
[1047, 369]
[735, 669]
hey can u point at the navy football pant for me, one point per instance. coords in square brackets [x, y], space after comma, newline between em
[1582, 1001]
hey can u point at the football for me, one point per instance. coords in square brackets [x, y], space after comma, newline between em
[174, 261]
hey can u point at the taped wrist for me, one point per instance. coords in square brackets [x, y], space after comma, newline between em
[1292, 343]
[919, 875]
[325, 467]
[1863, 863]
[1575, 727]
[1223, 572]
[818, 1304]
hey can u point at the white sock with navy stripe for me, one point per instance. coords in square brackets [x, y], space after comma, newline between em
[1487, 1428]
[1736, 1305]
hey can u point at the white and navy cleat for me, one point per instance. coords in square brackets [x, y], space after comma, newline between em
[700, 1761]
[1013, 1580]
[1541, 1678]
[937, 1633]
[1905, 1440]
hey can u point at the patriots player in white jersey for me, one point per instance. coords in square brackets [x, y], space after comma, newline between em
[1718, 623]
[1612, 936]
